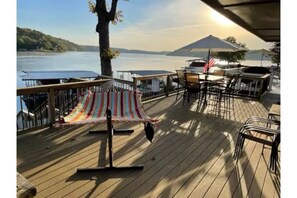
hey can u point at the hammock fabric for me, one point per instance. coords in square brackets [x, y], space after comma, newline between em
[124, 106]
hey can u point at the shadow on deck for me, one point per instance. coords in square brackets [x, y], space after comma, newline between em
[191, 155]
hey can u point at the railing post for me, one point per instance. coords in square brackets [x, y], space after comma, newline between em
[51, 106]
[167, 85]
[134, 83]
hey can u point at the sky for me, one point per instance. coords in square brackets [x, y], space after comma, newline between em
[154, 25]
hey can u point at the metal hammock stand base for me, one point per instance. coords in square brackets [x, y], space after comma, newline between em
[110, 131]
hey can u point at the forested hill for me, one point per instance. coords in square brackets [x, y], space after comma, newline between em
[32, 40]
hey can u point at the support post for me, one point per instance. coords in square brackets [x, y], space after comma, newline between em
[167, 85]
[51, 106]
[134, 84]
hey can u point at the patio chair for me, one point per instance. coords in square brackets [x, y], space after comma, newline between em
[193, 86]
[222, 90]
[109, 105]
[230, 90]
[219, 72]
[254, 130]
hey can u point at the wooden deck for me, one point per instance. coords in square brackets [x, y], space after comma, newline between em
[191, 156]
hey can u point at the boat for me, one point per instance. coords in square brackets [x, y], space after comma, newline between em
[197, 63]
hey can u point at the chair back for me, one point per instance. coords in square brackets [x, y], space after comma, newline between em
[192, 80]
[181, 77]
[234, 80]
[219, 72]
[228, 85]
[231, 83]
[189, 77]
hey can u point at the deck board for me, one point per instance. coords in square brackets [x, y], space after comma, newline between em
[191, 155]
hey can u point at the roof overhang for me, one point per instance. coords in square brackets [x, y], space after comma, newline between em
[260, 17]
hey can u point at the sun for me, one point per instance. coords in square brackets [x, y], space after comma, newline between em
[220, 19]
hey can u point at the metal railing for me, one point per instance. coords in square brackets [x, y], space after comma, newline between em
[47, 103]
[159, 85]
[60, 99]
[252, 85]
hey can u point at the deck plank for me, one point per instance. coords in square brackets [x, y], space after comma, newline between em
[189, 160]
[191, 156]
[172, 150]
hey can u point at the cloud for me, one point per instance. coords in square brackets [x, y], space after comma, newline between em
[162, 25]
[168, 25]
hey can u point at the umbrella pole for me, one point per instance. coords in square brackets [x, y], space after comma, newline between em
[208, 58]
[205, 91]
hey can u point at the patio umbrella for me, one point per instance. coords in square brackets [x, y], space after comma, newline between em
[212, 44]
[264, 52]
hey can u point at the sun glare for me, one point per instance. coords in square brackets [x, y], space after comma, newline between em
[220, 19]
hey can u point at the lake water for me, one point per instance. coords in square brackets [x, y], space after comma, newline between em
[90, 61]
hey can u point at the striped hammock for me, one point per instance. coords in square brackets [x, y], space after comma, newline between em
[124, 106]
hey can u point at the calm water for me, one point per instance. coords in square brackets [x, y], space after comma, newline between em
[90, 61]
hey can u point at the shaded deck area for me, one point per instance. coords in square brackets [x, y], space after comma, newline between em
[191, 156]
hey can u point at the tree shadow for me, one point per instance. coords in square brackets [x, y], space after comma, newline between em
[180, 136]
[186, 141]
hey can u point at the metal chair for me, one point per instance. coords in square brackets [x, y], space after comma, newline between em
[254, 129]
[219, 72]
[193, 86]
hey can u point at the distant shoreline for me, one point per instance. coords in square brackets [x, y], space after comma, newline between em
[36, 52]
[39, 53]
[42, 53]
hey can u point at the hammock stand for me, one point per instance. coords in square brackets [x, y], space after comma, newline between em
[110, 132]
[88, 107]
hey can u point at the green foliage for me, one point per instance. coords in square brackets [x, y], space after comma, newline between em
[276, 49]
[109, 54]
[32, 40]
[231, 56]
[118, 17]
[92, 6]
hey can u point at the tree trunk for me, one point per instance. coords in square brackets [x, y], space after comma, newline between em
[103, 30]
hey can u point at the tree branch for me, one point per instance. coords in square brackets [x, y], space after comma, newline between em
[112, 12]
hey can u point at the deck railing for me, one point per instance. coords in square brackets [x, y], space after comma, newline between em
[163, 85]
[60, 99]
[252, 85]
